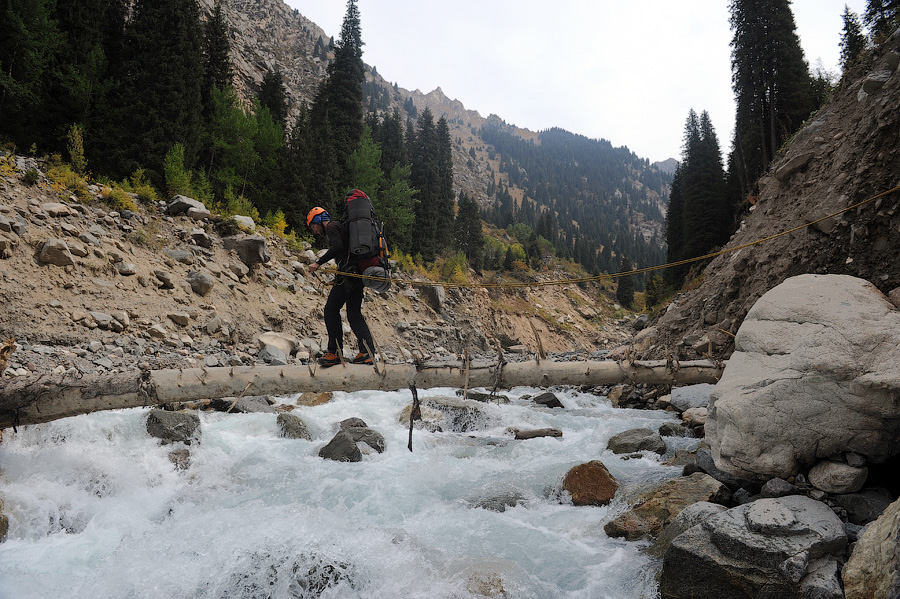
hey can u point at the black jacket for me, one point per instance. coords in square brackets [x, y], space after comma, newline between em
[336, 235]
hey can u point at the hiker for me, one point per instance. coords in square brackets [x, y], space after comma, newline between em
[345, 290]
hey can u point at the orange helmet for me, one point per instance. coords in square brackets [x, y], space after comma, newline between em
[317, 215]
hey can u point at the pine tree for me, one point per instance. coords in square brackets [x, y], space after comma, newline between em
[625, 288]
[771, 81]
[853, 41]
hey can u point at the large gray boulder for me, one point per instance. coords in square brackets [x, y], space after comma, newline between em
[251, 249]
[636, 439]
[184, 205]
[815, 373]
[767, 548]
[691, 396]
[56, 252]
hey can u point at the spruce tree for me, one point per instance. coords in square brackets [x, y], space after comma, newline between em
[273, 95]
[853, 41]
[882, 17]
[467, 234]
[157, 102]
[426, 178]
[699, 215]
[625, 288]
[337, 111]
[217, 68]
[28, 41]
[771, 82]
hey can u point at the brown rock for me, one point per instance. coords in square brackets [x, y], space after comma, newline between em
[657, 508]
[314, 399]
[873, 569]
[590, 484]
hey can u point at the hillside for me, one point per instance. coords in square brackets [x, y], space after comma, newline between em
[847, 153]
[119, 294]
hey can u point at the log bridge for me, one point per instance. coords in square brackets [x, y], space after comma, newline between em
[33, 399]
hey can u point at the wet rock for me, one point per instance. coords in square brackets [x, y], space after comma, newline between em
[173, 427]
[180, 458]
[548, 400]
[656, 509]
[674, 429]
[636, 439]
[687, 518]
[341, 448]
[316, 399]
[458, 415]
[292, 426]
[4, 523]
[590, 484]
[363, 434]
[763, 548]
[244, 405]
[535, 433]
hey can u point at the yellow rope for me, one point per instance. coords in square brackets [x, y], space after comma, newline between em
[614, 275]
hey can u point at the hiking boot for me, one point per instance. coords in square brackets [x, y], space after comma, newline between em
[362, 358]
[329, 360]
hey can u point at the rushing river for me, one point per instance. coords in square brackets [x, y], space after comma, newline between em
[97, 509]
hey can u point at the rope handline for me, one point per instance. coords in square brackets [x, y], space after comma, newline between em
[613, 275]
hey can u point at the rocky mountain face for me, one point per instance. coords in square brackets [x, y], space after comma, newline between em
[848, 153]
[268, 33]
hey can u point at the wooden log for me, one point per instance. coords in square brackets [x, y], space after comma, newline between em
[42, 398]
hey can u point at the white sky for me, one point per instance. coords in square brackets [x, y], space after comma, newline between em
[624, 71]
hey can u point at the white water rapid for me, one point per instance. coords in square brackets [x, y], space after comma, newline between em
[97, 509]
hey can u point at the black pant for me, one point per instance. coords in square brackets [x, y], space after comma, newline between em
[347, 290]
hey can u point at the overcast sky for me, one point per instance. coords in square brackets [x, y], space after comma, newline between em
[627, 72]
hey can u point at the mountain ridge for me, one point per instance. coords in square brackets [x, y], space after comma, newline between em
[266, 34]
